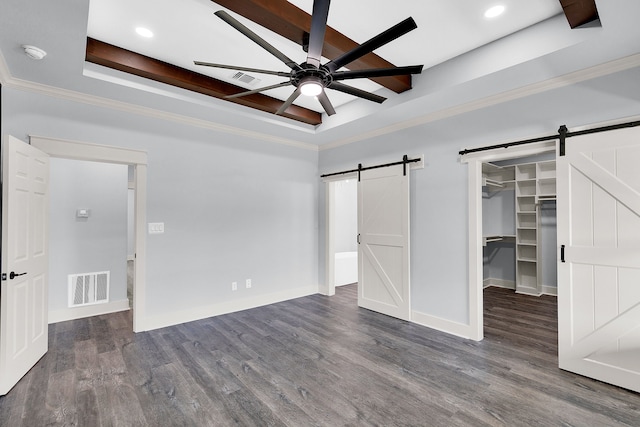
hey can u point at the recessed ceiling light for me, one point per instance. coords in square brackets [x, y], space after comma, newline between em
[144, 32]
[494, 11]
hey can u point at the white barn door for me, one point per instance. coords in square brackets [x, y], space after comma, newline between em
[599, 281]
[25, 255]
[383, 252]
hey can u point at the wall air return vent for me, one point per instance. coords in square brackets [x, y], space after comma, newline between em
[88, 288]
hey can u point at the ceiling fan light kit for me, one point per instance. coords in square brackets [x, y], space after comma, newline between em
[311, 78]
[311, 86]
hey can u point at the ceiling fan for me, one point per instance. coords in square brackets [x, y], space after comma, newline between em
[312, 78]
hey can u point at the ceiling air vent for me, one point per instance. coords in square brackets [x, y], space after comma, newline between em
[245, 78]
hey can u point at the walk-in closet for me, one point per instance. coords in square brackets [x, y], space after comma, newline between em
[519, 224]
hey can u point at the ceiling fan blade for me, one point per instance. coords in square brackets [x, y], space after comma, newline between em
[372, 44]
[316, 33]
[256, 39]
[288, 102]
[249, 70]
[326, 104]
[357, 92]
[377, 72]
[251, 92]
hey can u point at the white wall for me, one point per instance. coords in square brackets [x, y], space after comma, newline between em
[234, 208]
[87, 245]
[346, 216]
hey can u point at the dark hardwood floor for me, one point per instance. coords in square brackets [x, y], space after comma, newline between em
[314, 361]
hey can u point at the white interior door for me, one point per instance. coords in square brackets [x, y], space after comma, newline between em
[25, 255]
[599, 282]
[383, 252]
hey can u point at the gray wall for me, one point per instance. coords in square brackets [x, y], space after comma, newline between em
[498, 218]
[87, 245]
[346, 214]
[234, 208]
[548, 233]
[438, 195]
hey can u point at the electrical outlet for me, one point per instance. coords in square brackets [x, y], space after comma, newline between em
[234, 286]
[248, 283]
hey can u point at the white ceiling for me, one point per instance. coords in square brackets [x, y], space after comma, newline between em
[188, 30]
[532, 64]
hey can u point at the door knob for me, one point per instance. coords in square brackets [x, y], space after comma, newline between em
[13, 274]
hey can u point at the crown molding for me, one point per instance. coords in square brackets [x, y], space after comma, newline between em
[569, 79]
[6, 79]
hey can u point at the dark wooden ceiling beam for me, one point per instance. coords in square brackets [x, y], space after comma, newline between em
[291, 22]
[130, 62]
[579, 12]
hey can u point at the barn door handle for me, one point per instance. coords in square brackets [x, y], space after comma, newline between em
[13, 274]
[562, 253]
[358, 238]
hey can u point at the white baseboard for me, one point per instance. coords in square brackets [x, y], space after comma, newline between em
[442, 325]
[197, 313]
[550, 290]
[499, 283]
[56, 316]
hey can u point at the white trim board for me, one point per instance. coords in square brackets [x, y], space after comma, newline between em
[183, 316]
[63, 315]
[442, 325]
[499, 283]
[102, 153]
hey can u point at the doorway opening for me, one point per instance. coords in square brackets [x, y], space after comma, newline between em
[137, 159]
[505, 245]
[341, 233]
[87, 239]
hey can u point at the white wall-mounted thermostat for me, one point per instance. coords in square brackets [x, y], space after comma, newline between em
[82, 213]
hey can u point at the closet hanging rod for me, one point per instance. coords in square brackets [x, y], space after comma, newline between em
[360, 168]
[561, 135]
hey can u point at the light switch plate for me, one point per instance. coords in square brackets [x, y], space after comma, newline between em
[156, 227]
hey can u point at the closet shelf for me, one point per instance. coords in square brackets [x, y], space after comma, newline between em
[498, 238]
[527, 260]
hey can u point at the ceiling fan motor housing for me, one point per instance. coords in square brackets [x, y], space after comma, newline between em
[308, 73]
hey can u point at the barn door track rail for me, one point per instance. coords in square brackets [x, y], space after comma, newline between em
[562, 135]
[405, 161]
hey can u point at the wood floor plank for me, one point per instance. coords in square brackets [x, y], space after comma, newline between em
[61, 398]
[122, 400]
[314, 361]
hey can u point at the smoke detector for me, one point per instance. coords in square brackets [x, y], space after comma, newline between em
[34, 52]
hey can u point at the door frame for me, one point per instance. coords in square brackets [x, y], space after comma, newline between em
[329, 286]
[474, 162]
[76, 150]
